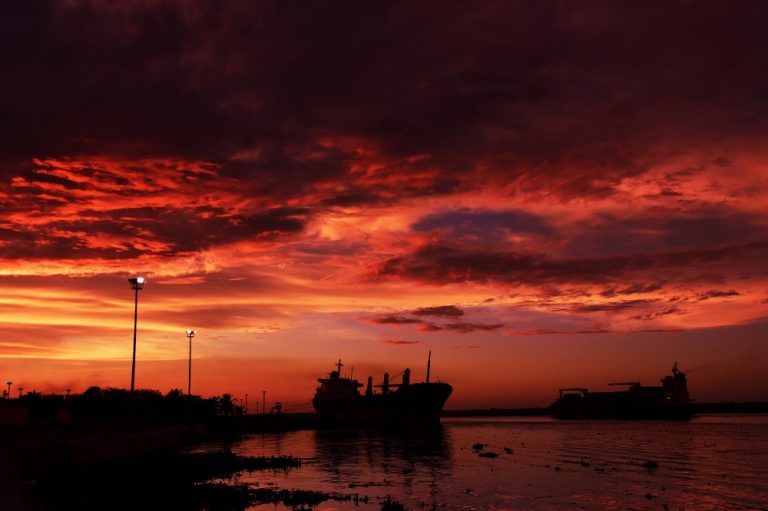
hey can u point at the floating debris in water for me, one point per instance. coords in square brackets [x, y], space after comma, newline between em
[489, 455]
[508, 450]
[478, 446]
[650, 465]
[583, 463]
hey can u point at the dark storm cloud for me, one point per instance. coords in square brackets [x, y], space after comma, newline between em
[612, 306]
[443, 311]
[356, 198]
[399, 342]
[717, 293]
[567, 98]
[33, 244]
[462, 327]
[442, 263]
[550, 331]
[488, 226]
[121, 231]
[657, 314]
[663, 229]
[395, 320]
[636, 288]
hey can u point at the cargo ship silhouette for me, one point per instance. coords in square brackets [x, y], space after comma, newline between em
[668, 401]
[396, 404]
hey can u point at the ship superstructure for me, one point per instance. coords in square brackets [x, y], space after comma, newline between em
[392, 404]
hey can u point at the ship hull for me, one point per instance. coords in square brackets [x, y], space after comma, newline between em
[415, 404]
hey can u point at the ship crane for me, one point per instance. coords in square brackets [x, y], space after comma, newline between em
[385, 385]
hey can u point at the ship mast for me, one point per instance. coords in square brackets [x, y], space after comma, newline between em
[429, 363]
[339, 365]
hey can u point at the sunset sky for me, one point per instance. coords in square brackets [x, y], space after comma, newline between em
[544, 194]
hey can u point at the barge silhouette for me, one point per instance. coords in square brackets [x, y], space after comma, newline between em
[668, 401]
[401, 405]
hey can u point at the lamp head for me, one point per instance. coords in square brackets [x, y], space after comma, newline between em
[137, 282]
[191, 333]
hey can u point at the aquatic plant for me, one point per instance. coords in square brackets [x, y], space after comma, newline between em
[390, 504]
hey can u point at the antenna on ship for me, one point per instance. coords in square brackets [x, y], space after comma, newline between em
[339, 365]
[429, 363]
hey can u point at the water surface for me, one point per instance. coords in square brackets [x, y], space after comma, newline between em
[711, 462]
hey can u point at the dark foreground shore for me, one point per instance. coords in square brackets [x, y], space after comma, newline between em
[162, 481]
[129, 466]
[41, 464]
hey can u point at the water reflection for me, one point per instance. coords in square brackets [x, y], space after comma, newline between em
[535, 465]
[386, 459]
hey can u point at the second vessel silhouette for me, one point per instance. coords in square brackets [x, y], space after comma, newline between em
[403, 404]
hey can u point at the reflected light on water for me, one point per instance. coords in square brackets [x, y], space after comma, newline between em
[707, 463]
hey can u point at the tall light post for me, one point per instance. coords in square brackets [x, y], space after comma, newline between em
[190, 335]
[8, 392]
[246, 404]
[263, 401]
[137, 284]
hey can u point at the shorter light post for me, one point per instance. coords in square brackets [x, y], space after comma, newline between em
[21, 392]
[245, 411]
[68, 393]
[264, 401]
[190, 335]
[8, 393]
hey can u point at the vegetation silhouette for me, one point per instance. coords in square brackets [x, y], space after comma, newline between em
[109, 404]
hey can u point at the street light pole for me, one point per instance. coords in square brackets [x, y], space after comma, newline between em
[136, 284]
[264, 401]
[8, 393]
[190, 335]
